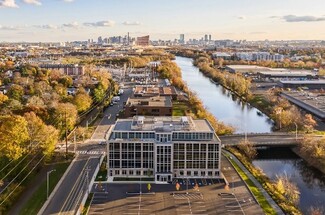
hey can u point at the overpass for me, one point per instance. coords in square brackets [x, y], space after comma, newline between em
[275, 139]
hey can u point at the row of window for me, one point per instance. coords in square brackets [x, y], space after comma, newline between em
[174, 136]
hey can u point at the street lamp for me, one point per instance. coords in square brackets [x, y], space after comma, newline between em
[296, 130]
[48, 182]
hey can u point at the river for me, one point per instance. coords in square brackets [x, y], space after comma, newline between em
[223, 104]
[227, 108]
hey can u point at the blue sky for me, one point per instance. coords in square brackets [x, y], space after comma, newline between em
[67, 20]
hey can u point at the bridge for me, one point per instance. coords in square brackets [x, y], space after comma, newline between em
[275, 139]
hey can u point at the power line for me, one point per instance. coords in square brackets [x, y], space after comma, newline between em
[17, 174]
[22, 181]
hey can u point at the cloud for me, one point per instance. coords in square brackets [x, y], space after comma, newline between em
[241, 17]
[8, 28]
[71, 25]
[46, 26]
[131, 23]
[34, 2]
[8, 3]
[108, 23]
[294, 18]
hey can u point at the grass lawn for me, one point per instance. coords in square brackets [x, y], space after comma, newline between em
[267, 208]
[102, 173]
[180, 108]
[87, 204]
[35, 203]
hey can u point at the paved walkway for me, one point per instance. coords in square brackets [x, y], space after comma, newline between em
[256, 183]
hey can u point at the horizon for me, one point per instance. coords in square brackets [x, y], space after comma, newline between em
[80, 20]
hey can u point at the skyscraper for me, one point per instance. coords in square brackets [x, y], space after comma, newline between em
[206, 37]
[182, 38]
[209, 37]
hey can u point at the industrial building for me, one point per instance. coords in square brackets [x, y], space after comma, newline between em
[310, 84]
[163, 148]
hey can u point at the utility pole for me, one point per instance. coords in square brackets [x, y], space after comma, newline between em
[66, 134]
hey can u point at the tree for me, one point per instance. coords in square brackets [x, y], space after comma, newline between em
[41, 135]
[65, 116]
[82, 100]
[309, 123]
[13, 136]
[248, 149]
[3, 98]
[16, 92]
[288, 189]
[99, 93]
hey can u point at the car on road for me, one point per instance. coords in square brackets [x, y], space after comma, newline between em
[102, 143]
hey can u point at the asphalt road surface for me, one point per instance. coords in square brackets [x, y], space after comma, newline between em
[66, 198]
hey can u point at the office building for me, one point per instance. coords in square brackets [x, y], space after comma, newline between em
[163, 148]
[143, 41]
[181, 38]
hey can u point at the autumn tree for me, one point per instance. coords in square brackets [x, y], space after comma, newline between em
[16, 92]
[288, 188]
[82, 100]
[65, 116]
[3, 98]
[247, 148]
[41, 135]
[309, 123]
[13, 136]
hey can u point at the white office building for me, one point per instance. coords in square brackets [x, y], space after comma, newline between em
[163, 148]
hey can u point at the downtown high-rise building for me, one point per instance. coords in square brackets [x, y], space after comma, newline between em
[182, 38]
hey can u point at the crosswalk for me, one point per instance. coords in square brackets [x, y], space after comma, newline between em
[85, 152]
[188, 196]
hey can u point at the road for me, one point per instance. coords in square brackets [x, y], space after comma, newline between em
[110, 116]
[66, 198]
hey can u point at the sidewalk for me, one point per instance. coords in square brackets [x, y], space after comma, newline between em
[256, 183]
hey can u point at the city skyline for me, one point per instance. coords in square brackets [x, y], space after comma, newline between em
[69, 20]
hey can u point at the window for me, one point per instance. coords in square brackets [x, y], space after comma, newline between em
[138, 172]
[123, 172]
[117, 172]
[188, 173]
[131, 135]
[131, 172]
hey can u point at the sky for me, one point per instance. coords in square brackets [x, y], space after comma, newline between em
[70, 20]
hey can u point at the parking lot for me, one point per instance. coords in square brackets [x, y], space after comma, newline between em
[211, 197]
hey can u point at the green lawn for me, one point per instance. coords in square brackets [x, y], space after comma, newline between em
[180, 108]
[102, 173]
[35, 203]
[87, 204]
[267, 208]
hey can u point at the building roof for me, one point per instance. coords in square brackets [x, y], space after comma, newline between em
[321, 81]
[157, 101]
[163, 124]
[288, 73]
[142, 90]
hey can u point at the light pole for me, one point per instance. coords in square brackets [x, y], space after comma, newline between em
[296, 130]
[48, 182]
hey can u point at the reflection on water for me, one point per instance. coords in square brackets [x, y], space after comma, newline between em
[222, 103]
[310, 181]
